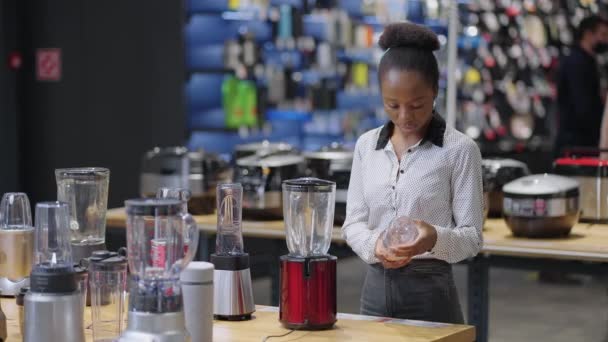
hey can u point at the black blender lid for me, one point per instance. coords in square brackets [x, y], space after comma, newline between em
[46, 278]
[307, 184]
[153, 206]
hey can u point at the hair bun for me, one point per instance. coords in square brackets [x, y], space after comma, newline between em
[408, 35]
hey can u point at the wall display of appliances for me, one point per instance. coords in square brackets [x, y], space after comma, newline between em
[298, 71]
[509, 54]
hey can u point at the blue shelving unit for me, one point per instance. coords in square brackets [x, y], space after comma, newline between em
[211, 22]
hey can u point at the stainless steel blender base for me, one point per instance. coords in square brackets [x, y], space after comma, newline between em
[54, 317]
[11, 288]
[155, 327]
[233, 295]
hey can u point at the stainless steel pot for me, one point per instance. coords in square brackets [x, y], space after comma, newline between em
[261, 177]
[592, 175]
[498, 172]
[332, 163]
[542, 205]
[176, 167]
[263, 148]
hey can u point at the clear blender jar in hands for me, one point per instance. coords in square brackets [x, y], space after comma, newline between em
[54, 304]
[308, 273]
[161, 241]
[86, 192]
[16, 242]
[233, 292]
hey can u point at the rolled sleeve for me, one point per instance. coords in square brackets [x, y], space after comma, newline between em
[465, 239]
[356, 230]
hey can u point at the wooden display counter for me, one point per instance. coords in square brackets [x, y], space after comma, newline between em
[584, 251]
[587, 242]
[265, 323]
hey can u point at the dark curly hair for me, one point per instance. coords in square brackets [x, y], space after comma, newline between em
[409, 47]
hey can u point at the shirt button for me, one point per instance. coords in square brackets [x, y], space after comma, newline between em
[402, 171]
[409, 151]
[393, 187]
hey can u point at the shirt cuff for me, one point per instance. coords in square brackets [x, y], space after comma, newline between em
[371, 259]
[440, 244]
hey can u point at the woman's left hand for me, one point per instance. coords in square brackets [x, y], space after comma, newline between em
[427, 237]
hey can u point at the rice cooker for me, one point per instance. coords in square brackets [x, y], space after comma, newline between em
[261, 177]
[592, 175]
[261, 148]
[543, 205]
[334, 164]
[497, 173]
[176, 167]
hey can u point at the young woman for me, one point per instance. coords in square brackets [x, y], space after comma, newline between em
[413, 166]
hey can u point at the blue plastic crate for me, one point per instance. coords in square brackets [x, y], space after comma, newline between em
[194, 6]
[204, 92]
[206, 29]
[205, 57]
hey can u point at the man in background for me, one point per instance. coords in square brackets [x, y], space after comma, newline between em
[578, 88]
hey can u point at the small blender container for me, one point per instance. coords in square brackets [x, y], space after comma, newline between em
[108, 286]
[16, 242]
[54, 305]
[86, 192]
[233, 299]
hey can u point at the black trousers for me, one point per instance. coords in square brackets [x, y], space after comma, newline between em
[423, 290]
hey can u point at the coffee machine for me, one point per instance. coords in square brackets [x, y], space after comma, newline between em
[308, 273]
[161, 240]
[85, 190]
[54, 305]
[233, 292]
[16, 243]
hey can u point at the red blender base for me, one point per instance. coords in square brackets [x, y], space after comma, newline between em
[308, 292]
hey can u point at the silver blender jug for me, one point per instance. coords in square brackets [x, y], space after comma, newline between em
[16, 243]
[85, 190]
[54, 304]
[161, 241]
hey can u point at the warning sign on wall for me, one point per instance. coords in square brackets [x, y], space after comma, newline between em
[48, 64]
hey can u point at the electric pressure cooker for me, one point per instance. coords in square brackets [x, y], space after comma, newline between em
[332, 163]
[542, 205]
[497, 173]
[592, 175]
[262, 148]
[176, 167]
[261, 177]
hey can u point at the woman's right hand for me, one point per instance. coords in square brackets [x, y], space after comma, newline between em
[388, 259]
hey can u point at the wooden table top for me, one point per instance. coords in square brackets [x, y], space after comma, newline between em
[587, 242]
[265, 323]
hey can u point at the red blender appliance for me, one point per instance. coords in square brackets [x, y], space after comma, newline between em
[308, 273]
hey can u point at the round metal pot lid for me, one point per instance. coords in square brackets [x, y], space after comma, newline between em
[540, 184]
[329, 155]
[308, 184]
[270, 161]
[263, 145]
[167, 151]
[497, 163]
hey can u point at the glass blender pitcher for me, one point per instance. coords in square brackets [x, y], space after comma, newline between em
[158, 233]
[308, 273]
[85, 190]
